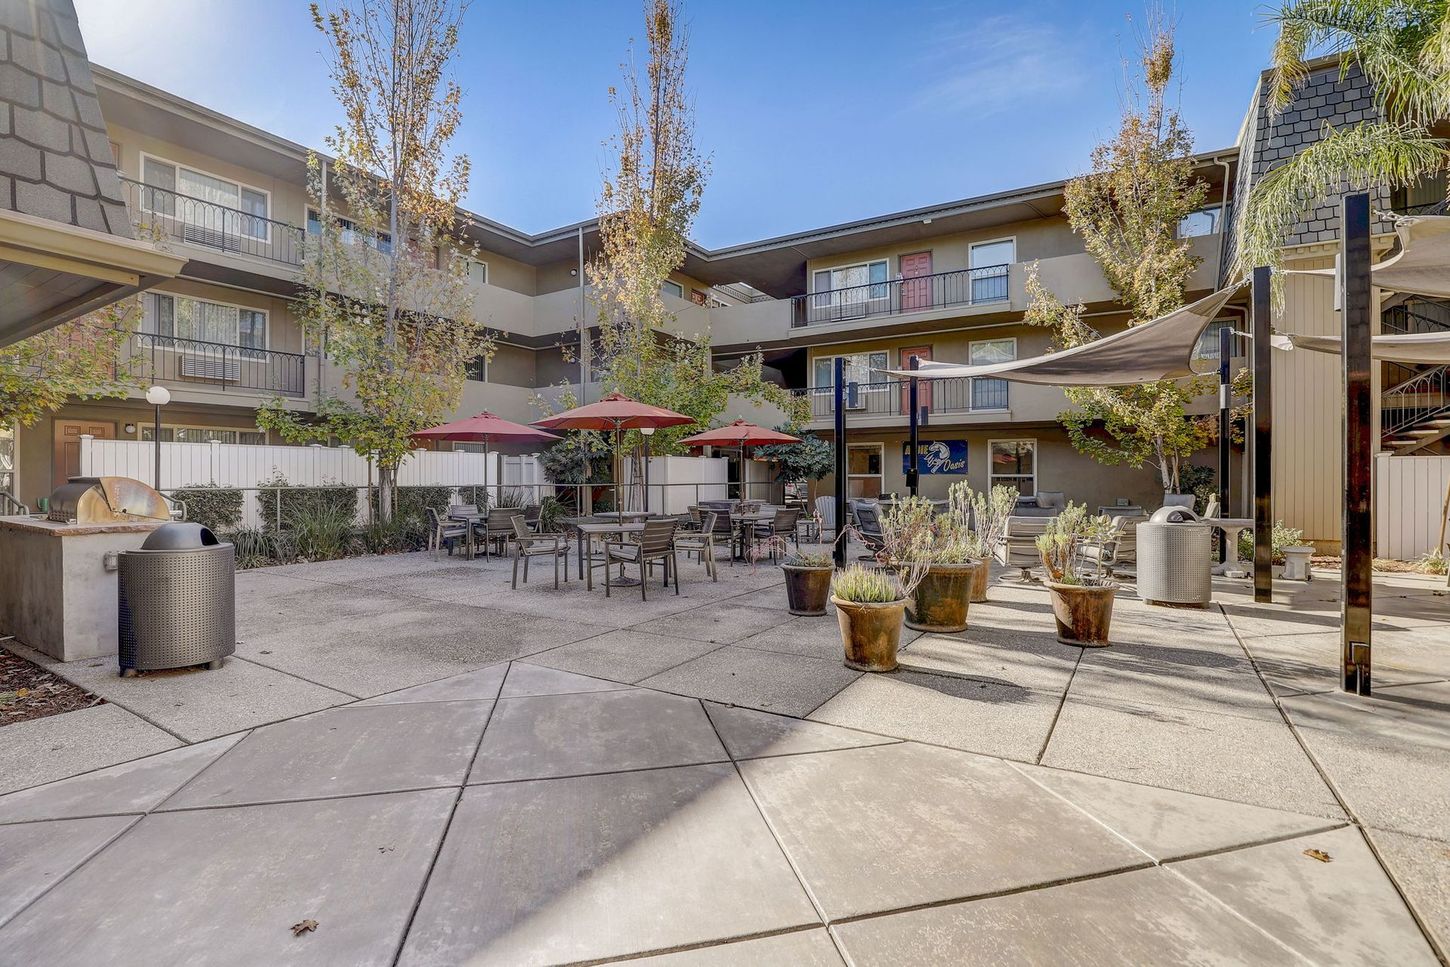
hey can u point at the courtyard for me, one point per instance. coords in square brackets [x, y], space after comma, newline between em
[407, 762]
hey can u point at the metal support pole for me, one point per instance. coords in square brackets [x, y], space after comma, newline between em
[912, 471]
[839, 394]
[1263, 443]
[1355, 300]
[584, 347]
[1225, 359]
[156, 446]
[646, 473]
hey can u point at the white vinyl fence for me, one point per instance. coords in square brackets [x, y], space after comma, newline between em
[677, 483]
[1409, 497]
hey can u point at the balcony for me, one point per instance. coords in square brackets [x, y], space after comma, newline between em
[962, 287]
[887, 398]
[166, 214]
[219, 367]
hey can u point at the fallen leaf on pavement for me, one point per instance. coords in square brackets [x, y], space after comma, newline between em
[1317, 854]
[306, 926]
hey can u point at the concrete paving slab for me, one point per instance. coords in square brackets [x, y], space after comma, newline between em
[1343, 912]
[625, 864]
[198, 703]
[272, 605]
[131, 787]
[803, 948]
[45, 749]
[749, 734]
[892, 826]
[526, 679]
[1170, 825]
[343, 752]
[1243, 757]
[769, 681]
[720, 623]
[626, 655]
[1378, 749]
[1144, 917]
[1295, 664]
[368, 567]
[549, 736]
[1025, 658]
[479, 686]
[154, 899]
[992, 717]
[36, 856]
[361, 656]
[1206, 672]
[1422, 869]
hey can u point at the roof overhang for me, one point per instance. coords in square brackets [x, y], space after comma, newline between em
[51, 272]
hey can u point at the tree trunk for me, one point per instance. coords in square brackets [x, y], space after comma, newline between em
[386, 477]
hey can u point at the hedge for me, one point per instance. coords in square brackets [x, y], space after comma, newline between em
[328, 498]
[217, 508]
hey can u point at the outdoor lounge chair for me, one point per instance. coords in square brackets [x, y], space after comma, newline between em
[1017, 547]
[656, 543]
[702, 542]
[826, 511]
[443, 531]
[868, 528]
[1121, 550]
[527, 544]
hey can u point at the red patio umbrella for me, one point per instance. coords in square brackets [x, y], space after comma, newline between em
[486, 428]
[740, 434]
[615, 413]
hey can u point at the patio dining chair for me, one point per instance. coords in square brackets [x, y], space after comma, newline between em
[528, 545]
[701, 542]
[499, 528]
[1120, 551]
[868, 528]
[782, 525]
[531, 515]
[443, 531]
[656, 543]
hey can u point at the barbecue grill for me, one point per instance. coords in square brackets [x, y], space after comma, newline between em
[106, 500]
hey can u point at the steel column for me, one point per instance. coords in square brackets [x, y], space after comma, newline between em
[839, 395]
[1225, 358]
[1263, 443]
[1357, 554]
[912, 475]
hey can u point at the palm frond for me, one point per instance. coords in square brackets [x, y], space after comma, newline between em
[1353, 158]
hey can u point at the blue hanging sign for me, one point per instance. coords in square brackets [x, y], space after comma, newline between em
[936, 456]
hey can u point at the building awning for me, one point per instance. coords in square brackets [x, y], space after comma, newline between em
[1160, 349]
[1420, 262]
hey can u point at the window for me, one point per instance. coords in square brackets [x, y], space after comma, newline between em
[1202, 222]
[988, 264]
[351, 234]
[477, 272]
[182, 317]
[863, 469]
[850, 285]
[204, 434]
[477, 369]
[1014, 463]
[988, 392]
[861, 368]
[672, 288]
[249, 206]
[1207, 347]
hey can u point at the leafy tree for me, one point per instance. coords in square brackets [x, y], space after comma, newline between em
[77, 360]
[386, 292]
[1403, 48]
[811, 459]
[646, 209]
[1127, 210]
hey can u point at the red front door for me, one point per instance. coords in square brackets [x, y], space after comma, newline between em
[923, 393]
[916, 281]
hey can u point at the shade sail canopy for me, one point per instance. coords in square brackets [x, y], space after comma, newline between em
[613, 413]
[1160, 349]
[486, 428]
[1420, 263]
[739, 434]
[1432, 348]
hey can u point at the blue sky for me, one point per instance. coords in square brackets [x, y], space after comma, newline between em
[812, 112]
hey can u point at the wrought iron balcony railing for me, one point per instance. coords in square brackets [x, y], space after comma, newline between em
[173, 360]
[890, 397]
[194, 221]
[962, 287]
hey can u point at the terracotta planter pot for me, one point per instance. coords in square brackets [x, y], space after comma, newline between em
[871, 633]
[1083, 614]
[980, 577]
[807, 589]
[940, 601]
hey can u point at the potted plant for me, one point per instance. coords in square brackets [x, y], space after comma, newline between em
[869, 606]
[1081, 591]
[989, 512]
[807, 582]
[936, 547]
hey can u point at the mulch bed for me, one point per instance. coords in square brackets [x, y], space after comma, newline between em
[28, 691]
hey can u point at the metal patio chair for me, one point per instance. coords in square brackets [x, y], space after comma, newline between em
[528, 545]
[701, 542]
[443, 531]
[656, 543]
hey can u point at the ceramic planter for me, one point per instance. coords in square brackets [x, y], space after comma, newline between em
[871, 633]
[807, 589]
[980, 577]
[1083, 614]
[940, 600]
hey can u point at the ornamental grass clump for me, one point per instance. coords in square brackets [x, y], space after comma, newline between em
[808, 559]
[1062, 542]
[860, 585]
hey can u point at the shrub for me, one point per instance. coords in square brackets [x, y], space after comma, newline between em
[258, 548]
[323, 532]
[333, 499]
[552, 512]
[408, 530]
[1279, 538]
[862, 586]
[213, 507]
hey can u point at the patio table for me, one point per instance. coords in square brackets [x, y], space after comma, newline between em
[473, 520]
[587, 531]
[738, 525]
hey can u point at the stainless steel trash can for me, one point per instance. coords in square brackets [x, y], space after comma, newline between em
[1175, 558]
[177, 600]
